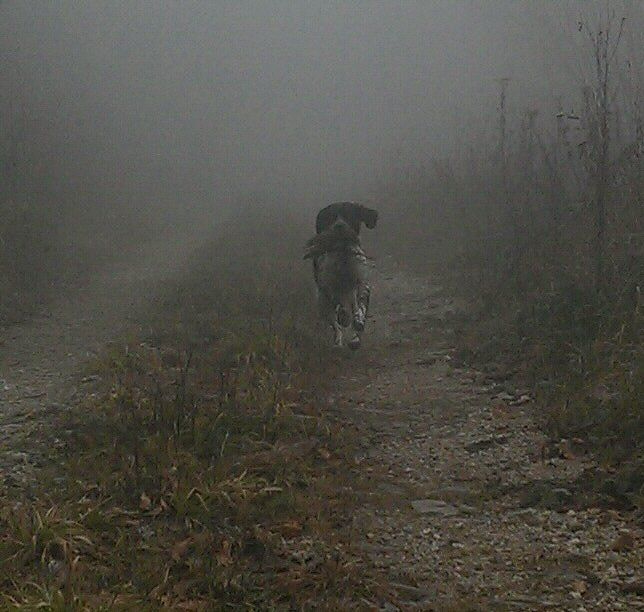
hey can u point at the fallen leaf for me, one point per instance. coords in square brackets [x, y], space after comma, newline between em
[291, 529]
[324, 453]
[223, 556]
[625, 541]
[565, 452]
[180, 549]
[145, 502]
[158, 510]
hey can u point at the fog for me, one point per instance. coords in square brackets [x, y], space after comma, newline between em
[153, 114]
[192, 380]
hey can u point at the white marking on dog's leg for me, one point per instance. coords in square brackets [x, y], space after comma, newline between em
[354, 343]
[359, 313]
[361, 306]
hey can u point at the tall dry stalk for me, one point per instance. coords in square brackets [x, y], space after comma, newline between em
[605, 44]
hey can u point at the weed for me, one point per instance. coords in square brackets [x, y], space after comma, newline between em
[199, 473]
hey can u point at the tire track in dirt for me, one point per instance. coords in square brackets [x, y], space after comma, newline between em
[463, 512]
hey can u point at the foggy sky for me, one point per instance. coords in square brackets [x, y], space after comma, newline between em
[169, 108]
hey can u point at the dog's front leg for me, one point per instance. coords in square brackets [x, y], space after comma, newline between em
[337, 334]
[360, 306]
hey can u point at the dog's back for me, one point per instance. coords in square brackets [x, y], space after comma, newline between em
[339, 267]
[339, 272]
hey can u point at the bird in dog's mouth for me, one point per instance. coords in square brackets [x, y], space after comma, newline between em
[338, 237]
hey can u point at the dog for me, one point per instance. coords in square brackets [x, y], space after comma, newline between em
[339, 268]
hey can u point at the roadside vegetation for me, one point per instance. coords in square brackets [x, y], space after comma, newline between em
[539, 227]
[201, 471]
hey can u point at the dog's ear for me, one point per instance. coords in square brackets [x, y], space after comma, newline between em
[369, 216]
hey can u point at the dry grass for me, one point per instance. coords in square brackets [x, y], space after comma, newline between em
[201, 473]
[516, 239]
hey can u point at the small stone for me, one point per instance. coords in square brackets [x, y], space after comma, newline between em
[523, 399]
[453, 494]
[433, 506]
[562, 495]
[579, 586]
[426, 361]
[505, 396]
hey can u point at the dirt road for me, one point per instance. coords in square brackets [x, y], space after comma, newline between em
[42, 358]
[465, 510]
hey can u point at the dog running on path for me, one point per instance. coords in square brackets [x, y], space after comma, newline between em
[339, 268]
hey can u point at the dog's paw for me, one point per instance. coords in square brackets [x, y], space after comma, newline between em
[354, 343]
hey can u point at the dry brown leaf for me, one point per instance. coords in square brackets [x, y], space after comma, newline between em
[624, 541]
[324, 453]
[157, 591]
[224, 556]
[180, 549]
[291, 529]
[565, 451]
[145, 502]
